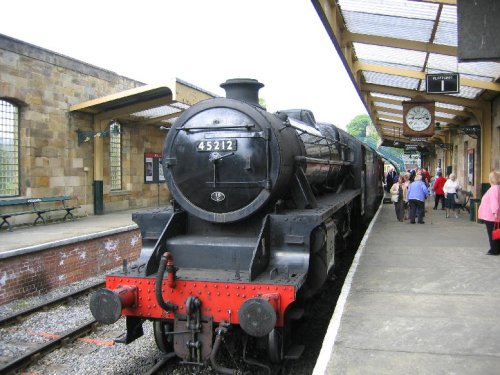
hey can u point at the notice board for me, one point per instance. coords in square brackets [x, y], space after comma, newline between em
[153, 171]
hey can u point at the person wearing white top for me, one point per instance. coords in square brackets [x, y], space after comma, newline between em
[450, 189]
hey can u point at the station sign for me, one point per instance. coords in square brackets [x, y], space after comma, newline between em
[444, 83]
[411, 148]
[417, 139]
[411, 160]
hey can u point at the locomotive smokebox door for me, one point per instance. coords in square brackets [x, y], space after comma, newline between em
[223, 159]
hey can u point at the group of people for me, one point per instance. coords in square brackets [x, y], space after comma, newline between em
[409, 195]
[409, 192]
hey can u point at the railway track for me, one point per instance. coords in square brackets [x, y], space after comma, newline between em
[65, 297]
[56, 342]
[22, 349]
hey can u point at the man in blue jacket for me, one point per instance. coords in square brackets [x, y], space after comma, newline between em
[417, 193]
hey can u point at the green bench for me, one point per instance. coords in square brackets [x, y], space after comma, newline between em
[38, 206]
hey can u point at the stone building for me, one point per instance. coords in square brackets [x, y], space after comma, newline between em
[70, 128]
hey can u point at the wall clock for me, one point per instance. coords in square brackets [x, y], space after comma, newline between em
[418, 117]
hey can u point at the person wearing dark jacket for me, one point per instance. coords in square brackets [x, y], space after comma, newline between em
[390, 178]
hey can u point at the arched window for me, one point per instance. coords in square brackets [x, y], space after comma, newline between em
[9, 149]
[115, 154]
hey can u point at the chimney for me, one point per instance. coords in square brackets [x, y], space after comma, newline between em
[244, 89]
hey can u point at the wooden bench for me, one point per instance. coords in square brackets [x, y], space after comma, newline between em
[37, 206]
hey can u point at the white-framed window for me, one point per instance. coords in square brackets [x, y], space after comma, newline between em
[9, 149]
[115, 155]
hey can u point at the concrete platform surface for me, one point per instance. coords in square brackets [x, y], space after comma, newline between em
[419, 299]
[27, 238]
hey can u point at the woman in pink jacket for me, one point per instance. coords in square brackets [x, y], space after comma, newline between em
[489, 211]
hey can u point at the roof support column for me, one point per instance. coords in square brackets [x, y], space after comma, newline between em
[448, 154]
[98, 184]
[484, 117]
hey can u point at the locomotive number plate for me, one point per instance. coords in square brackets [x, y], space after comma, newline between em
[217, 145]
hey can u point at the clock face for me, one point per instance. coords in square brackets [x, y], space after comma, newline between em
[418, 118]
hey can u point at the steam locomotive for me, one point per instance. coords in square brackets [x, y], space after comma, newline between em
[262, 204]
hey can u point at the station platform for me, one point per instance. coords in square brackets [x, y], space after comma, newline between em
[26, 239]
[418, 299]
[37, 259]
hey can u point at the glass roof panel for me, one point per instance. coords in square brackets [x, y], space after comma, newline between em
[408, 9]
[446, 34]
[389, 54]
[449, 14]
[391, 80]
[388, 26]
[388, 96]
[156, 112]
[443, 114]
[450, 106]
[387, 105]
[451, 64]
[489, 69]
[390, 114]
[390, 119]
[384, 63]
[468, 92]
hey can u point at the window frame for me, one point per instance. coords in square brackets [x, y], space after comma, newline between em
[16, 138]
[113, 136]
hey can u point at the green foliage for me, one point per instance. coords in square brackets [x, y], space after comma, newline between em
[357, 126]
[361, 126]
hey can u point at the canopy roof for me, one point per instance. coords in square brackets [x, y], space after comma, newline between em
[150, 104]
[388, 47]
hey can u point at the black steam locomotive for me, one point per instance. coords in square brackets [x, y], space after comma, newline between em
[262, 203]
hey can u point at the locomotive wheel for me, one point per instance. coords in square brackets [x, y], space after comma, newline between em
[274, 346]
[163, 341]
